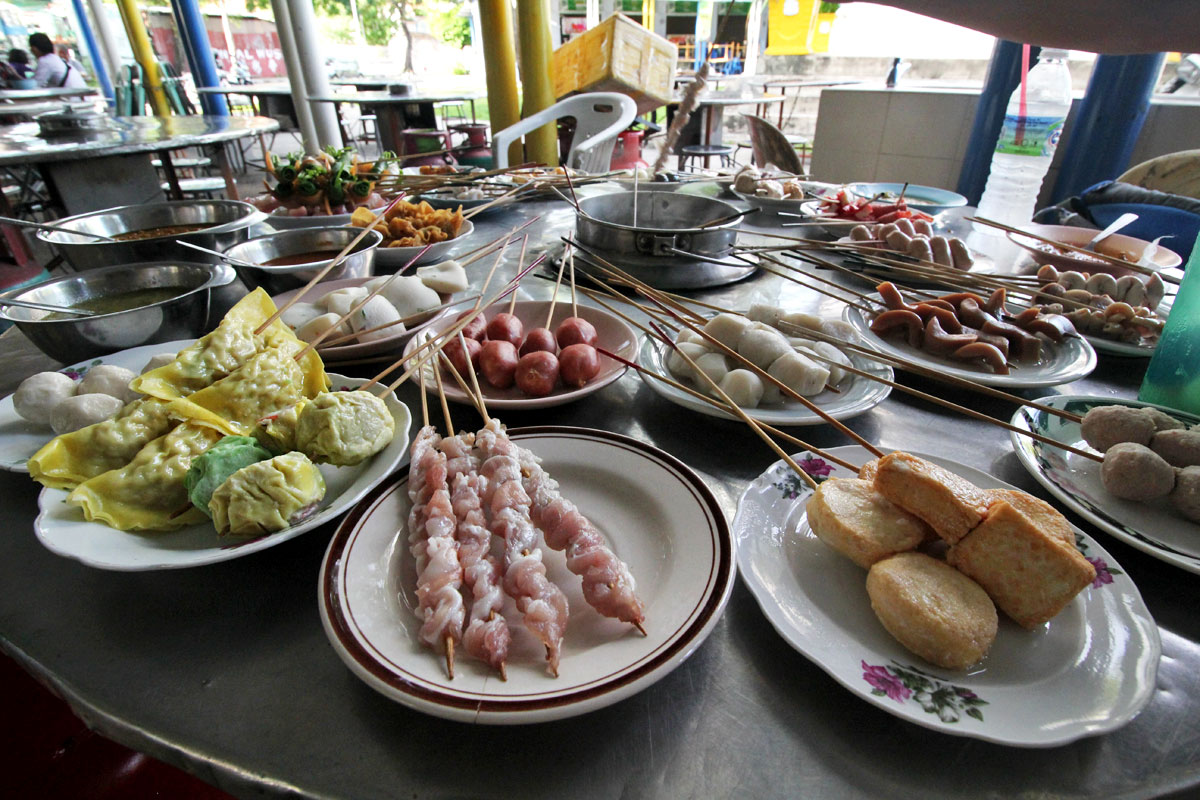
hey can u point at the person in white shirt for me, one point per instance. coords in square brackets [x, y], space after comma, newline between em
[52, 71]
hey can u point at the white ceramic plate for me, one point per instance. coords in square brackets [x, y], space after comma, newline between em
[1070, 360]
[1089, 670]
[20, 439]
[390, 259]
[1153, 527]
[657, 516]
[1112, 347]
[63, 530]
[858, 394]
[613, 335]
[353, 350]
[282, 222]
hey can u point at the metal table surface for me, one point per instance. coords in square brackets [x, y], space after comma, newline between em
[46, 92]
[224, 670]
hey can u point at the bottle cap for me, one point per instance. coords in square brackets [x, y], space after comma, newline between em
[1054, 52]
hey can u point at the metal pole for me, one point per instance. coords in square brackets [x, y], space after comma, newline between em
[541, 145]
[316, 81]
[93, 49]
[144, 53]
[104, 36]
[1004, 74]
[1106, 127]
[295, 74]
[199, 53]
[500, 67]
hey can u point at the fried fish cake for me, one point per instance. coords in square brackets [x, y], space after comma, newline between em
[950, 505]
[851, 517]
[1039, 512]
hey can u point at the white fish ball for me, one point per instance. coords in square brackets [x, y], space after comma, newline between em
[801, 319]
[678, 365]
[340, 301]
[689, 336]
[378, 311]
[407, 293]
[38, 394]
[764, 312]
[448, 277]
[315, 327]
[300, 313]
[83, 410]
[108, 379]
[743, 387]
[799, 373]
[714, 366]
[158, 360]
[762, 346]
[727, 329]
[833, 354]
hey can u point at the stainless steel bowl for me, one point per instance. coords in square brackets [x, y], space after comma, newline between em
[360, 263]
[666, 222]
[74, 339]
[228, 223]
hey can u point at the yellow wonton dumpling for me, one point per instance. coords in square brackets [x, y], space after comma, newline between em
[267, 496]
[277, 431]
[146, 493]
[344, 428]
[68, 460]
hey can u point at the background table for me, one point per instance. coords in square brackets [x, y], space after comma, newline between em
[225, 671]
[395, 112]
[704, 126]
[45, 93]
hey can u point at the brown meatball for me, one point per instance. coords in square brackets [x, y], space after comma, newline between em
[1105, 426]
[1163, 421]
[1179, 448]
[1186, 495]
[1135, 472]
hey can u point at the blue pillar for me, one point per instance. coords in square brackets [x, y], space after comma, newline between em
[97, 57]
[199, 54]
[1110, 118]
[1004, 75]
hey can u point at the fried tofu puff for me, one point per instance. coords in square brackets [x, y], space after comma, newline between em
[344, 428]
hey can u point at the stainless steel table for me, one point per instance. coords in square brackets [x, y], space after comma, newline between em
[225, 671]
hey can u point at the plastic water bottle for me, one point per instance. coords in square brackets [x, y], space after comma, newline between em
[1027, 142]
[1172, 378]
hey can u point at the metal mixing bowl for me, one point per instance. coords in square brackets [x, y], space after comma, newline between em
[228, 223]
[78, 338]
[360, 263]
[666, 221]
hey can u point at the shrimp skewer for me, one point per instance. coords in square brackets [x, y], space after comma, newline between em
[543, 604]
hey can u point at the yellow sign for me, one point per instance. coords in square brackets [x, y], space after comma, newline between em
[791, 25]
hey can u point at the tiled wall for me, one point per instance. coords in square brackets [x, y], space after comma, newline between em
[920, 135]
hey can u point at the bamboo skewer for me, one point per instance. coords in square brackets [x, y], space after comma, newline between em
[512, 301]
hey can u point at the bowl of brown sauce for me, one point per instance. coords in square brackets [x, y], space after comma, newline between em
[152, 232]
[286, 260]
[131, 305]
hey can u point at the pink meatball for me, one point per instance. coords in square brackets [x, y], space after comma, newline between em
[578, 364]
[537, 373]
[505, 327]
[575, 330]
[454, 352]
[498, 363]
[538, 339]
[475, 328]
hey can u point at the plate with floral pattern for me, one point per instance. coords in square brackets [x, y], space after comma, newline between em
[1089, 670]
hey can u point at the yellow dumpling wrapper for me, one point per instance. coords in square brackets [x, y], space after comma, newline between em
[269, 381]
[217, 354]
[267, 496]
[68, 460]
[145, 493]
[344, 428]
[277, 430]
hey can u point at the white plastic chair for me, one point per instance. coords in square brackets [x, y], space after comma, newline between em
[599, 117]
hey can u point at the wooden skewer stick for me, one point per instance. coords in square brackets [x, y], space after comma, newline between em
[818, 289]
[562, 265]
[642, 287]
[512, 300]
[715, 403]
[738, 411]
[454, 373]
[328, 267]
[437, 374]
[574, 303]
[471, 256]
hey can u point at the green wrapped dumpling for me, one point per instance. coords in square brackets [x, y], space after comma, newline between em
[344, 428]
[213, 467]
[277, 432]
[267, 496]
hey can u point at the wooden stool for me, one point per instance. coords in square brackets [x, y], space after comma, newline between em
[706, 151]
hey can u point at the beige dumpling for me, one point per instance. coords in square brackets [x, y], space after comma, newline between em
[763, 346]
[743, 387]
[300, 314]
[277, 431]
[108, 379]
[678, 365]
[802, 375]
[267, 496]
[407, 293]
[344, 428]
[340, 301]
[447, 277]
[376, 312]
[727, 329]
[318, 325]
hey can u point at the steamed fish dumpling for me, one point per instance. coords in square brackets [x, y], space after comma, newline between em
[743, 387]
[802, 375]
[377, 311]
[267, 496]
[407, 293]
[447, 277]
[300, 314]
[678, 365]
[344, 428]
[340, 301]
[830, 351]
[213, 467]
[765, 313]
[800, 319]
[317, 326]
[38, 394]
[108, 379]
[83, 410]
[688, 336]
[277, 431]
[727, 329]
[713, 365]
[762, 346]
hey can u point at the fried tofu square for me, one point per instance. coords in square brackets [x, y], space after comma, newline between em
[1043, 515]
[1029, 572]
[950, 505]
[851, 517]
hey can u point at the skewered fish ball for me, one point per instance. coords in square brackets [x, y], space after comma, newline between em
[38, 395]
[268, 496]
[1135, 472]
[376, 312]
[1163, 421]
[727, 329]
[299, 315]
[1186, 495]
[83, 410]
[713, 365]
[763, 346]
[678, 365]
[800, 374]
[340, 301]
[344, 428]
[1179, 448]
[743, 387]
[108, 379]
[407, 293]
[1105, 426]
[317, 326]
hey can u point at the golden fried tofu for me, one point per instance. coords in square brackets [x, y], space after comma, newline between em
[398, 228]
[1040, 513]
[362, 216]
[867, 471]
[1030, 573]
[950, 505]
[851, 517]
[432, 233]
[932, 609]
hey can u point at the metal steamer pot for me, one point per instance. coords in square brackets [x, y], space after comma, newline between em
[666, 245]
[228, 223]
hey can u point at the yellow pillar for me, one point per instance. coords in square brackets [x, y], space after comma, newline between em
[533, 22]
[139, 40]
[500, 65]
